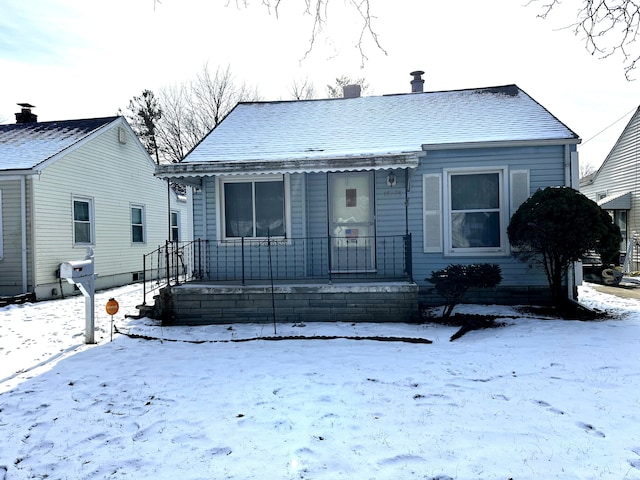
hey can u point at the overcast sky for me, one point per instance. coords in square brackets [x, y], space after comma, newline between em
[87, 58]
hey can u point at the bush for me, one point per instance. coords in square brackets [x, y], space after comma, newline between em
[557, 226]
[454, 281]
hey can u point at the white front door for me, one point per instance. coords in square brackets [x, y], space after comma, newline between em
[352, 226]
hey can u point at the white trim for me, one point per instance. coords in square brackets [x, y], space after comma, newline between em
[503, 248]
[502, 144]
[92, 220]
[220, 221]
[177, 213]
[140, 207]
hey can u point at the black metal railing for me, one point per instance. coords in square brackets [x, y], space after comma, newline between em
[332, 258]
[174, 263]
[247, 259]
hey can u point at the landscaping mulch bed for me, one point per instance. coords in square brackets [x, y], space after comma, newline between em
[469, 322]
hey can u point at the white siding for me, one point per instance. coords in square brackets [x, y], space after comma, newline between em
[620, 173]
[114, 175]
[11, 259]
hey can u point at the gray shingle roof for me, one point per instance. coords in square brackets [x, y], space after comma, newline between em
[392, 124]
[24, 146]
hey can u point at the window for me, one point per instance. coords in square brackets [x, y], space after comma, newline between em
[255, 208]
[466, 211]
[175, 227]
[83, 221]
[137, 224]
[474, 210]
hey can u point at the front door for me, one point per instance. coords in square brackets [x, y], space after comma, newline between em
[352, 226]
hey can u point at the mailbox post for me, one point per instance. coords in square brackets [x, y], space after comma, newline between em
[81, 273]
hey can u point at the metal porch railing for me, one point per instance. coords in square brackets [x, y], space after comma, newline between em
[311, 258]
[174, 263]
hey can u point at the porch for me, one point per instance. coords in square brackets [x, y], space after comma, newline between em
[283, 280]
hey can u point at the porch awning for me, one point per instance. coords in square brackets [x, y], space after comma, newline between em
[301, 165]
[620, 201]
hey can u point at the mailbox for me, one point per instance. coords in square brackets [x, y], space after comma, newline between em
[74, 270]
[81, 273]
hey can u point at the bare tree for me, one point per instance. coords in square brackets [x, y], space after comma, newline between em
[318, 10]
[190, 110]
[176, 131]
[337, 90]
[607, 27]
[586, 169]
[302, 89]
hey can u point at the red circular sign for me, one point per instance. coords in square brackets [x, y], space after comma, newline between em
[112, 306]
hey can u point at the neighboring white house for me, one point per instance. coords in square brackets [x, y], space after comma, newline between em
[69, 185]
[615, 186]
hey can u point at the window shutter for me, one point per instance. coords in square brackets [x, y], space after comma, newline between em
[519, 188]
[432, 211]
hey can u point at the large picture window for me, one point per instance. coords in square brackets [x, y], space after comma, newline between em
[254, 208]
[83, 227]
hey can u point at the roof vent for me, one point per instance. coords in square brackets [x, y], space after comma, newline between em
[25, 115]
[351, 91]
[417, 83]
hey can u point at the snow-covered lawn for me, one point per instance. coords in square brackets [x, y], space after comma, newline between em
[537, 399]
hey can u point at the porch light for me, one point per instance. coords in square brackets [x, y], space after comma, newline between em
[391, 179]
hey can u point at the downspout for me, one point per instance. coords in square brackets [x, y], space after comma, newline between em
[169, 210]
[574, 275]
[406, 201]
[23, 232]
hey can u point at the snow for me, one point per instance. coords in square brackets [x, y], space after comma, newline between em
[537, 399]
[377, 125]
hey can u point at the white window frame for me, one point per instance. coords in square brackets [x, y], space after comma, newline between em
[503, 209]
[91, 222]
[143, 225]
[220, 207]
[173, 227]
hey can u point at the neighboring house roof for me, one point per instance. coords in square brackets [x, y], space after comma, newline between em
[317, 135]
[26, 146]
[621, 201]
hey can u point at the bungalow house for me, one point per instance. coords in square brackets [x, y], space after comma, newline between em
[69, 185]
[340, 209]
[614, 186]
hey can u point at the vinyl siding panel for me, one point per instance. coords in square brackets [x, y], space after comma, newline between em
[11, 261]
[316, 204]
[114, 176]
[545, 166]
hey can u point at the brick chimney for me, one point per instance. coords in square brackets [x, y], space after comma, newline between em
[417, 83]
[25, 115]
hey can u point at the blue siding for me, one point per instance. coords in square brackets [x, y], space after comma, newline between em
[395, 210]
[546, 166]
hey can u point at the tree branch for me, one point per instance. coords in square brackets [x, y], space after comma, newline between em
[608, 27]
